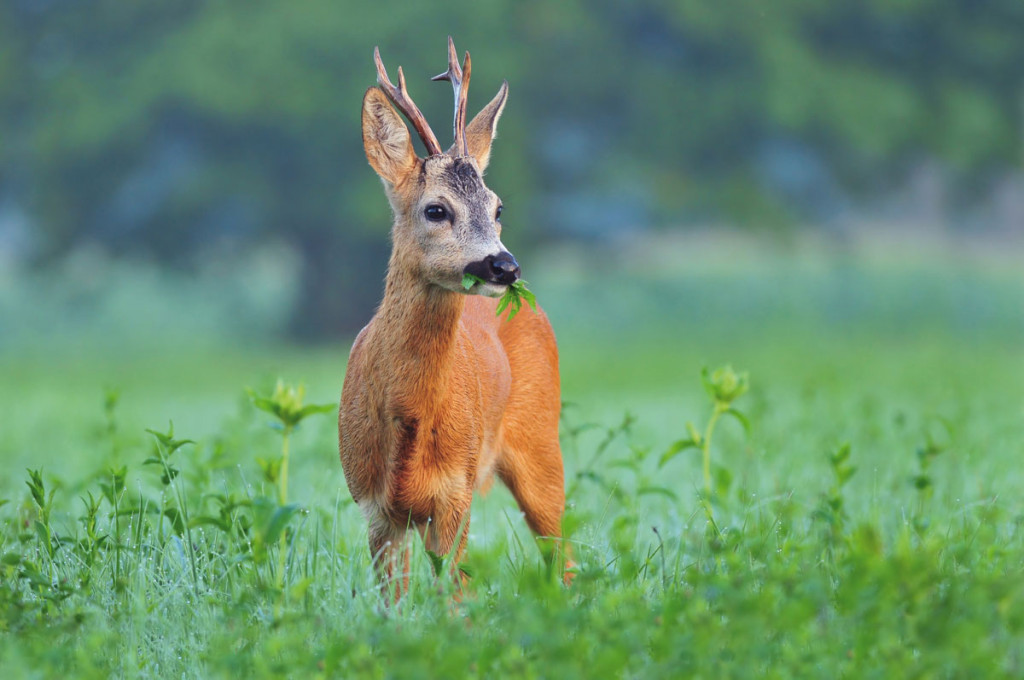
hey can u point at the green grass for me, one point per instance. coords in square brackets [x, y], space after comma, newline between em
[900, 555]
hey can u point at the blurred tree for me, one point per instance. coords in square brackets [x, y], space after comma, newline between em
[164, 127]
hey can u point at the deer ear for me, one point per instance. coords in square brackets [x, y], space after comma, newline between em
[386, 138]
[482, 130]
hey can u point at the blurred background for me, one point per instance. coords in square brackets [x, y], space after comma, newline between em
[183, 182]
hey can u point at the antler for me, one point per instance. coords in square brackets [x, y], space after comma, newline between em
[459, 78]
[400, 98]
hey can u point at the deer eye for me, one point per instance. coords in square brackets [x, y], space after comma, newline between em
[497, 214]
[435, 213]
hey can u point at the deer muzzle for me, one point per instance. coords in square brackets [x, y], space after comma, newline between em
[501, 268]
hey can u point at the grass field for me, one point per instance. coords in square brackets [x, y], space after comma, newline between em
[869, 523]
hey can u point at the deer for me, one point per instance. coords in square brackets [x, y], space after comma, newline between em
[441, 393]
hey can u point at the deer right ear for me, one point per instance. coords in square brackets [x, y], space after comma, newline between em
[386, 138]
[484, 127]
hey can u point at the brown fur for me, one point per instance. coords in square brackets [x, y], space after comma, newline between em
[440, 393]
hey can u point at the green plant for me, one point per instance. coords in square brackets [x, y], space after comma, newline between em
[286, 404]
[831, 511]
[724, 386]
[178, 514]
[922, 482]
[590, 471]
[513, 298]
[113, 487]
[44, 506]
[817, 571]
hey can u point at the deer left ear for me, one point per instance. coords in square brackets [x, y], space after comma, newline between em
[482, 130]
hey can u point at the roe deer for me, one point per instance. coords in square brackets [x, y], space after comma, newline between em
[440, 392]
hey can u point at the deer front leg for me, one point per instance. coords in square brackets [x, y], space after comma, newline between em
[390, 550]
[447, 535]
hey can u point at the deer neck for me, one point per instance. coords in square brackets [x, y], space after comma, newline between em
[420, 342]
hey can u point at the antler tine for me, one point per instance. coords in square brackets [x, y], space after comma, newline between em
[459, 78]
[453, 64]
[399, 96]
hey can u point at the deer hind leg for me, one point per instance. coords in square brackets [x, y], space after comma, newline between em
[535, 478]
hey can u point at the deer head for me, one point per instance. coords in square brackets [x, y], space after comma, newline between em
[447, 222]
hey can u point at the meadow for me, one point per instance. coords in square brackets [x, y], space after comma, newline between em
[862, 517]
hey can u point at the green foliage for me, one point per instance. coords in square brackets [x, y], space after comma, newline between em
[723, 386]
[923, 482]
[243, 130]
[830, 509]
[754, 597]
[895, 554]
[286, 404]
[513, 298]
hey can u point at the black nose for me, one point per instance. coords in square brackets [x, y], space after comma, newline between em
[504, 268]
[501, 268]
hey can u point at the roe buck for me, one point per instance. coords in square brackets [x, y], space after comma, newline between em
[440, 392]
